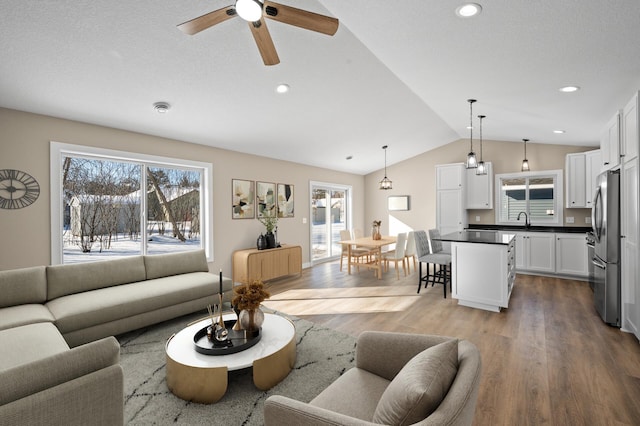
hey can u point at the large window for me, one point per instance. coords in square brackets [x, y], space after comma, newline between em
[108, 204]
[538, 194]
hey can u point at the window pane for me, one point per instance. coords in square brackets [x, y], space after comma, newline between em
[173, 210]
[512, 198]
[101, 209]
[541, 198]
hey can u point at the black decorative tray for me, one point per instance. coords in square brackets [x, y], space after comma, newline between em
[237, 341]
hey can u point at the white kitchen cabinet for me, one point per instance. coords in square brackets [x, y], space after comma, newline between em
[629, 206]
[593, 160]
[491, 289]
[575, 165]
[630, 271]
[571, 255]
[610, 143]
[479, 188]
[629, 137]
[451, 215]
[582, 168]
[535, 251]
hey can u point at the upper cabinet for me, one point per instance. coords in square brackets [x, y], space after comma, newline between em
[582, 168]
[450, 176]
[610, 143]
[450, 198]
[629, 140]
[480, 188]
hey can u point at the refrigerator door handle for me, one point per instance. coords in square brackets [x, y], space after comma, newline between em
[597, 227]
[597, 262]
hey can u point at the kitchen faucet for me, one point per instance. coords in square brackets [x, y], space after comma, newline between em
[527, 224]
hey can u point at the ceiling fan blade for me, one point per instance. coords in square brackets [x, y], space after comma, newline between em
[300, 18]
[264, 42]
[203, 22]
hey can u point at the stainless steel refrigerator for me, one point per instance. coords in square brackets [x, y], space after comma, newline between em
[605, 220]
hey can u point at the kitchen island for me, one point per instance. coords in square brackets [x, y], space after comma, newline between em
[482, 268]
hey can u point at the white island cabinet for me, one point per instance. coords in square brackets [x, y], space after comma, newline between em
[482, 268]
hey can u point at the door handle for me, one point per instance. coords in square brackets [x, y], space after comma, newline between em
[598, 263]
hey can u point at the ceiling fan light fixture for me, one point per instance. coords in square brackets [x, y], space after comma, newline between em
[468, 10]
[249, 10]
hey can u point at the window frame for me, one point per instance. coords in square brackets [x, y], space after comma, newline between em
[59, 150]
[558, 200]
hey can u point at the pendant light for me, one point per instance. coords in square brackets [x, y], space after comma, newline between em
[525, 162]
[482, 168]
[471, 163]
[385, 183]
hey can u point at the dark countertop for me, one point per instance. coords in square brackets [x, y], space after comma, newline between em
[479, 236]
[516, 228]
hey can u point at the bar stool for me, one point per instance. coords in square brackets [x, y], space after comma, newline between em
[441, 260]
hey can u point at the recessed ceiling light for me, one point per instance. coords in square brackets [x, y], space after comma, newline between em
[569, 89]
[161, 107]
[349, 157]
[468, 10]
[282, 88]
[558, 131]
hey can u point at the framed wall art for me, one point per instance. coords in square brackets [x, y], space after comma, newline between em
[265, 199]
[242, 199]
[398, 202]
[285, 200]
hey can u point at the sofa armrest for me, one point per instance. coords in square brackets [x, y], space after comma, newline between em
[282, 411]
[37, 376]
[384, 354]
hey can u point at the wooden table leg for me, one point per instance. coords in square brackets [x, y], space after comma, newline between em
[349, 258]
[379, 251]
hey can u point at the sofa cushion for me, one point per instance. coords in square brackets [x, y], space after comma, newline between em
[355, 394]
[25, 344]
[420, 386]
[82, 310]
[23, 286]
[15, 316]
[164, 265]
[63, 280]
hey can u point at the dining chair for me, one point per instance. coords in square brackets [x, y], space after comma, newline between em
[357, 233]
[356, 253]
[397, 255]
[410, 250]
[441, 263]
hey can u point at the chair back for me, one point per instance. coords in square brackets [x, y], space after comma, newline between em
[411, 244]
[401, 241]
[436, 245]
[422, 243]
[345, 235]
[357, 233]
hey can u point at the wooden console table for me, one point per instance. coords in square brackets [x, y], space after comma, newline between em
[265, 265]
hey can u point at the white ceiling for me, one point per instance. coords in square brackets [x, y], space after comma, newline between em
[396, 73]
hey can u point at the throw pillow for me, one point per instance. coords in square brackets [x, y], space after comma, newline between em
[419, 388]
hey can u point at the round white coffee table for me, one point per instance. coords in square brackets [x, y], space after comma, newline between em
[201, 378]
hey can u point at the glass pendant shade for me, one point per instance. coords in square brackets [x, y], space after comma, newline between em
[471, 162]
[385, 183]
[249, 10]
[482, 168]
[525, 162]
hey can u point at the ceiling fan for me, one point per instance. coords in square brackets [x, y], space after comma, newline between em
[254, 12]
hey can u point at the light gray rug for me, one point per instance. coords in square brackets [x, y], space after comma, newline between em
[322, 356]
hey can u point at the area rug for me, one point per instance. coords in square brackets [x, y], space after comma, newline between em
[322, 356]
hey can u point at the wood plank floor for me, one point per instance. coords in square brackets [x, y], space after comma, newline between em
[548, 359]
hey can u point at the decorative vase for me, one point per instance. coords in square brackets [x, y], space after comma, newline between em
[251, 319]
[375, 232]
[261, 243]
[271, 240]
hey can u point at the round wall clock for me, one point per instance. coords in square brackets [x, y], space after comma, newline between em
[17, 189]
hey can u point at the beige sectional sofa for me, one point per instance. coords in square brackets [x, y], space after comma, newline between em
[59, 363]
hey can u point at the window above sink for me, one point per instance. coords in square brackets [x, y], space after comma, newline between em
[538, 194]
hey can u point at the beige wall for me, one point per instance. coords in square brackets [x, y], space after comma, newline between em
[416, 177]
[24, 145]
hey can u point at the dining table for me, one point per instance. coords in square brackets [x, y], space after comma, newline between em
[376, 248]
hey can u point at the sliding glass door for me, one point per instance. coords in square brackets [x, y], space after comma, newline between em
[329, 216]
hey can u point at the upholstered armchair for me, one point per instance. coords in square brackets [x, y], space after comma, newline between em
[408, 379]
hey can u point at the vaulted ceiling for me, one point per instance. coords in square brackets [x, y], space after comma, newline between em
[395, 73]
